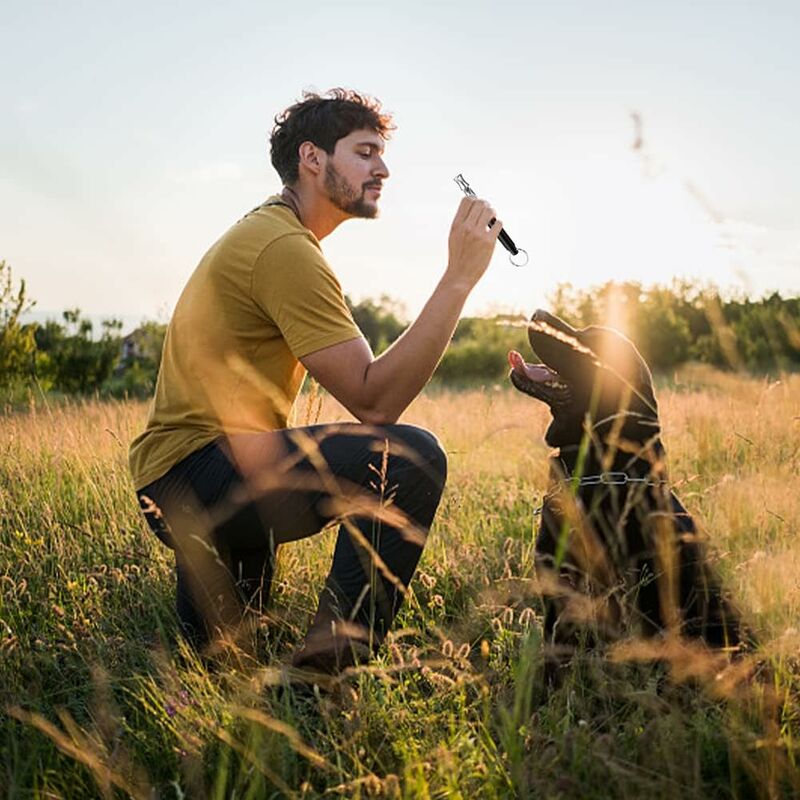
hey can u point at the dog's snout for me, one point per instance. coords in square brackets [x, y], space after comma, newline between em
[546, 318]
[540, 315]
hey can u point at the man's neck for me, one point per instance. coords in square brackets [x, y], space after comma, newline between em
[313, 210]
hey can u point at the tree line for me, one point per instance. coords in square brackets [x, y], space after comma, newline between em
[670, 325]
[67, 357]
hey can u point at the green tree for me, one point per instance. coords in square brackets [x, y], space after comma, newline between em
[380, 321]
[17, 344]
[478, 352]
[659, 330]
[70, 360]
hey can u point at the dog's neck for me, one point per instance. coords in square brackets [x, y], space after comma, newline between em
[648, 462]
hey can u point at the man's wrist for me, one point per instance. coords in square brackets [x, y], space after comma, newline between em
[456, 285]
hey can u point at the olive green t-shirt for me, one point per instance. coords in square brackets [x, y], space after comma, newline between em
[261, 298]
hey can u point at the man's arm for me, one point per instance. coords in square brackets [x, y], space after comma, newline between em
[378, 390]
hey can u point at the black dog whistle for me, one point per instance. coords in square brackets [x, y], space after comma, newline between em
[506, 241]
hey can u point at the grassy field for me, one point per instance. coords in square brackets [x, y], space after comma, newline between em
[96, 698]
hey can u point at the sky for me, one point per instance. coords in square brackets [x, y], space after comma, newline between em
[134, 135]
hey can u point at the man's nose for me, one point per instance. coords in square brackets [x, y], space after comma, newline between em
[381, 169]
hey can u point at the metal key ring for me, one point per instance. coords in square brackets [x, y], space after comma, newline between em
[520, 251]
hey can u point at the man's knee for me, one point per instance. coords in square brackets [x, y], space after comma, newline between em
[424, 450]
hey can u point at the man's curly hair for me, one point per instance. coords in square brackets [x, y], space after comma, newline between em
[323, 120]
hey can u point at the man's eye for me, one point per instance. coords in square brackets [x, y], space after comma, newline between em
[365, 155]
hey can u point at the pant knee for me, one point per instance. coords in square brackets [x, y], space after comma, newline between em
[428, 452]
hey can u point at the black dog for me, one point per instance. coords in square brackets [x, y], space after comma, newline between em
[616, 552]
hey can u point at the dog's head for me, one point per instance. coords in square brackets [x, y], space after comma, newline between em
[595, 371]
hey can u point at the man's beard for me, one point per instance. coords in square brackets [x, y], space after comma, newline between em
[343, 196]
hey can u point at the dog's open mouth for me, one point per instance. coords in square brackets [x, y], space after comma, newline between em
[539, 381]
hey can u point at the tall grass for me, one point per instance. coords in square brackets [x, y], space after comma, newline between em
[98, 699]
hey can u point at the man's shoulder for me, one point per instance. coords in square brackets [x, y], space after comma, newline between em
[270, 232]
[270, 221]
[285, 241]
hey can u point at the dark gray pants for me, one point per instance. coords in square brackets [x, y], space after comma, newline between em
[384, 483]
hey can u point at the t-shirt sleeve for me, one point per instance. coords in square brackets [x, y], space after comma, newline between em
[296, 288]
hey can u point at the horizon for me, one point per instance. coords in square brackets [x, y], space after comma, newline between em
[131, 322]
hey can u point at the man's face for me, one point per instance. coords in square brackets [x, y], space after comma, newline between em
[354, 174]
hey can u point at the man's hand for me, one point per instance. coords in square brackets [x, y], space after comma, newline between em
[471, 242]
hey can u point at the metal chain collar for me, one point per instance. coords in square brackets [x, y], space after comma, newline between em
[604, 478]
[612, 479]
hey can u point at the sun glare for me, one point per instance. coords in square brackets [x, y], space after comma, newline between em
[651, 229]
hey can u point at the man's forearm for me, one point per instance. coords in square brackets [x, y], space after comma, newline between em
[398, 375]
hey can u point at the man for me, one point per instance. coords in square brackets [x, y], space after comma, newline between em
[219, 476]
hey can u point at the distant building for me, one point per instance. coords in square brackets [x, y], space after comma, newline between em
[132, 348]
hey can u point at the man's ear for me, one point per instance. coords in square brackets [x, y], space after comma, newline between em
[311, 157]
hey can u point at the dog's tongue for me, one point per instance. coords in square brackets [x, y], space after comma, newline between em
[516, 361]
[533, 372]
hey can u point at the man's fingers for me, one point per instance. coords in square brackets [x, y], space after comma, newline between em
[472, 240]
[474, 209]
[495, 228]
[488, 214]
[464, 208]
[476, 213]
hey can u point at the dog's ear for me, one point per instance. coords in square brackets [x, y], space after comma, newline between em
[624, 383]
